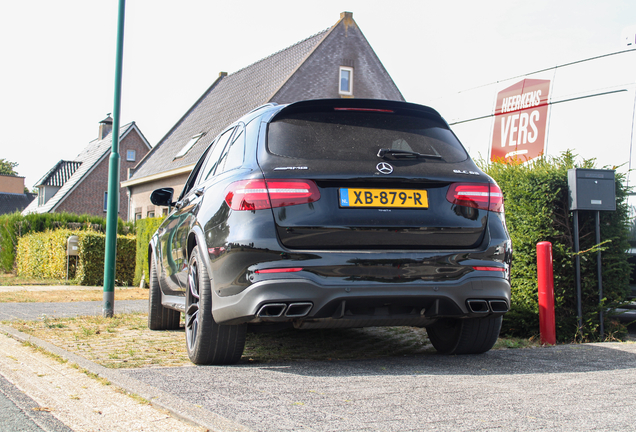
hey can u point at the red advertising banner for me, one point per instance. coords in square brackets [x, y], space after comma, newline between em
[521, 116]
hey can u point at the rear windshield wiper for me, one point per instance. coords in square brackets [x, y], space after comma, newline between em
[406, 154]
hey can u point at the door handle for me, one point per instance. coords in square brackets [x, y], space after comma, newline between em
[199, 191]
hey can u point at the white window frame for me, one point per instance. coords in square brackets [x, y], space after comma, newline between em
[106, 201]
[350, 70]
[133, 153]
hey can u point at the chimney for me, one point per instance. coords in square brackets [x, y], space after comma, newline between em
[105, 126]
[346, 15]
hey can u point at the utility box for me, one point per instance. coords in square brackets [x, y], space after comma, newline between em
[591, 189]
[72, 246]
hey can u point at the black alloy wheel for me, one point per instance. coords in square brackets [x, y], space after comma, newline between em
[192, 305]
[206, 341]
[464, 336]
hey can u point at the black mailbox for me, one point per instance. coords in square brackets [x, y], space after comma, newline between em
[591, 189]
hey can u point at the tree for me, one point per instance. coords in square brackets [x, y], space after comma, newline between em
[7, 167]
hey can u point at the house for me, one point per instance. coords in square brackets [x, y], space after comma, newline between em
[81, 185]
[12, 195]
[337, 62]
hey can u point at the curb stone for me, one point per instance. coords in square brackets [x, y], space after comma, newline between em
[158, 398]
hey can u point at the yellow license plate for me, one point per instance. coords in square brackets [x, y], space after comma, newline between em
[383, 198]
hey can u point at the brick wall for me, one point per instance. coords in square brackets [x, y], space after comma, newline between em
[88, 195]
[11, 184]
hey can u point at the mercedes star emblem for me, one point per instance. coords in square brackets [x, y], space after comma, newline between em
[384, 168]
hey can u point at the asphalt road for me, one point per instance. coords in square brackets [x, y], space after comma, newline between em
[34, 311]
[18, 412]
[568, 387]
[586, 387]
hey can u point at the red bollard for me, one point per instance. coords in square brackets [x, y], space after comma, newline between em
[545, 279]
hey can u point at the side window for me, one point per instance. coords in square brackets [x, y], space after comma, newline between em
[233, 155]
[213, 158]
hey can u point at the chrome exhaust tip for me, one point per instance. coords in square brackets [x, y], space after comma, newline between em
[272, 310]
[498, 306]
[478, 306]
[298, 310]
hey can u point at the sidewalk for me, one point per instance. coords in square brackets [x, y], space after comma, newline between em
[81, 402]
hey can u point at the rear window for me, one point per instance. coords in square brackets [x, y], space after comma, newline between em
[355, 136]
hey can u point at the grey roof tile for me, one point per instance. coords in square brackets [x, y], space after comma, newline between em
[226, 100]
[10, 202]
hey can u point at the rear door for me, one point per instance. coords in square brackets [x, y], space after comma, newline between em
[382, 176]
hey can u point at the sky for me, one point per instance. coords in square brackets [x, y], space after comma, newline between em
[57, 68]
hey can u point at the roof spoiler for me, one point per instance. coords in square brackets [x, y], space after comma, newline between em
[377, 105]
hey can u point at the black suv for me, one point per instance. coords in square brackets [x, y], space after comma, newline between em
[332, 213]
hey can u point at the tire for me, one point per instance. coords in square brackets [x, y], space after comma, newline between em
[464, 336]
[206, 341]
[159, 317]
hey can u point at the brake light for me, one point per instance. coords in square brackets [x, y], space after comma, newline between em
[261, 194]
[364, 110]
[484, 196]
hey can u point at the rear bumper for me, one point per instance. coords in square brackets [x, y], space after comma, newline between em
[303, 301]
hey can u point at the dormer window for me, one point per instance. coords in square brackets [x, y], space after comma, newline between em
[189, 145]
[345, 85]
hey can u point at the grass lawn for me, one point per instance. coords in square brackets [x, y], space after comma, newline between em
[9, 279]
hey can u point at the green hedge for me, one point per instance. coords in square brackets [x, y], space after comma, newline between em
[145, 229]
[537, 209]
[43, 255]
[15, 225]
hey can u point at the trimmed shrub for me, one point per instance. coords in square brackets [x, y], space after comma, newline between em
[145, 229]
[537, 209]
[90, 267]
[15, 225]
[43, 255]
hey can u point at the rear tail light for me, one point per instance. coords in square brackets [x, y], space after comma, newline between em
[262, 194]
[484, 196]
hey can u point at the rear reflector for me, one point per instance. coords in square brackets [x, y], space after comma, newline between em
[279, 270]
[364, 110]
[261, 194]
[484, 196]
[489, 268]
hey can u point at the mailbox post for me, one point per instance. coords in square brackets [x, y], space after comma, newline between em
[72, 249]
[595, 190]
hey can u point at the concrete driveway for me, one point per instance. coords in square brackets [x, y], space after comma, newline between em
[568, 387]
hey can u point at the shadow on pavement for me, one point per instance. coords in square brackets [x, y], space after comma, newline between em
[560, 359]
